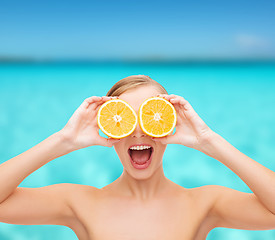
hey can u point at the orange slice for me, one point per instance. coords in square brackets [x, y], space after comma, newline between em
[116, 118]
[157, 117]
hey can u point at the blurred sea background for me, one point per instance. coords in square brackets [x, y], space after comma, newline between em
[220, 56]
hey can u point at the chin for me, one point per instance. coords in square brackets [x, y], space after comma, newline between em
[140, 176]
[143, 174]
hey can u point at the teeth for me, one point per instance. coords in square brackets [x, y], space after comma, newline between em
[140, 147]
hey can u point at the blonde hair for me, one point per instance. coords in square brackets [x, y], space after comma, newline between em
[131, 82]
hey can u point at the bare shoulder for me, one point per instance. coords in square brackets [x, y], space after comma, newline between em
[205, 197]
[78, 193]
[202, 199]
[205, 194]
[79, 198]
[79, 187]
[50, 205]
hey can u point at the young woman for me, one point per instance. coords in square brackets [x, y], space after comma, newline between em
[141, 203]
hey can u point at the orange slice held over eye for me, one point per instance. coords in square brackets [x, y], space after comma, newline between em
[116, 118]
[157, 117]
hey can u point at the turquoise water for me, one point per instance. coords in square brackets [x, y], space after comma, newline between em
[235, 100]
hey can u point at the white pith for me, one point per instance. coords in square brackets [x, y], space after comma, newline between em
[116, 118]
[157, 117]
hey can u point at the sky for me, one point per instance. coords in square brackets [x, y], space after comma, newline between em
[129, 29]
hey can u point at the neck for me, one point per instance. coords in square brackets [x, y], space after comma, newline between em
[143, 189]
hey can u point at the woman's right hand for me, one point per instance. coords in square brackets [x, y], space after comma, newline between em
[82, 129]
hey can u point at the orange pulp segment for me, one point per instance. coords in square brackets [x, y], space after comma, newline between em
[157, 117]
[116, 118]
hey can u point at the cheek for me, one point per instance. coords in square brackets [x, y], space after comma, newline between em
[161, 146]
[120, 147]
[160, 149]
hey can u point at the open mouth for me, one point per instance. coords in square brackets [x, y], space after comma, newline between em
[140, 155]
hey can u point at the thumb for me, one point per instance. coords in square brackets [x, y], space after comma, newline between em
[108, 142]
[165, 140]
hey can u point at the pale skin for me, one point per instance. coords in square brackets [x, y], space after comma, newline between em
[140, 204]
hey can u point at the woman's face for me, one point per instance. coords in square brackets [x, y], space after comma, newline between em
[135, 98]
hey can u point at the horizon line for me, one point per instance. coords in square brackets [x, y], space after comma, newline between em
[5, 59]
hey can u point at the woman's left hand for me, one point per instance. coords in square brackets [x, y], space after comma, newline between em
[191, 130]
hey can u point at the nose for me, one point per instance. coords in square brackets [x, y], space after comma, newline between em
[138, 133]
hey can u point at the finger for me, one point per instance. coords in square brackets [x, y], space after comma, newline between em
[189, 112]
[90, 100]
[104, 99]
[107, 142]
[162, 140]
[114, 97]
[192, 116]
[178, 100]
[112, 141]
[170, 139]
[98, 99]
[96, 108]
[161, 95]
[96, 104]
[171, 96]
[93, 99]
[165, 96]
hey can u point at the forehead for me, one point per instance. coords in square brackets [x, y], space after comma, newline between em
[136, 96]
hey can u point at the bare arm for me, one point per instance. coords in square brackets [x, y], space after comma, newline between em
[47, 205]
[258, 178]
[239, 210]
[15, 170]
[232, 208]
